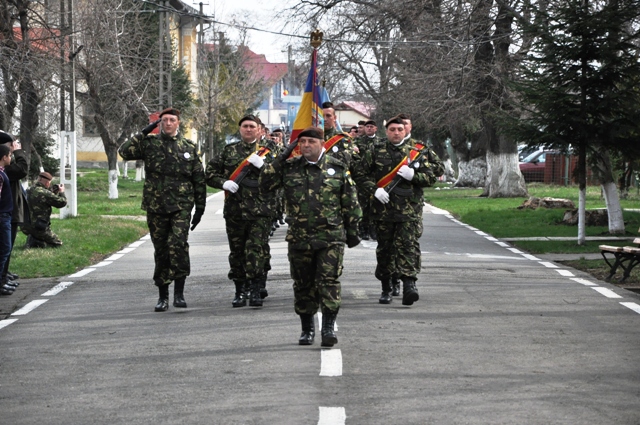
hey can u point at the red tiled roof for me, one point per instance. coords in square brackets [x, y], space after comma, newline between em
[44, 40]
[259, 65]
[360, 107]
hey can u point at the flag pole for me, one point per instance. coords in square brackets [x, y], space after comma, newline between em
[315, 41]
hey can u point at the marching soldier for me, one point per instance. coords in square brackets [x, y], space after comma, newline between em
[248, 214]
[364, 143]
[323, 214]
[336, 144]
[393, 175]
[174, 184]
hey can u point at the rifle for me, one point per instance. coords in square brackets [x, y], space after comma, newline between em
[397, 179]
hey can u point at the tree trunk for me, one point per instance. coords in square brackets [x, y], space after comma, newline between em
[139, 170]
[112, 161]
[472, 163]
[602, 167]
[504, 178]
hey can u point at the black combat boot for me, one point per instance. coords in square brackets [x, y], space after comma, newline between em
[163, 301]
[178, 293]
[329, 338]
[254, 293]
[308, 329]
[385, 298]
[241, 297]
[263, 287]
[372, 232]
[395, 283]
[409, 291]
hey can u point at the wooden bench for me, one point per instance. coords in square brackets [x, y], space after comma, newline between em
[625, 257]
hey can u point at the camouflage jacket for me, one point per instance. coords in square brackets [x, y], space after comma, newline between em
[247, 203]
[41, 200]
[406, 200]
[321, 199]
[174, 177]
[344, 149]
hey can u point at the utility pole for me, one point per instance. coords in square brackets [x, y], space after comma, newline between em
[164, 60]
[68, 138]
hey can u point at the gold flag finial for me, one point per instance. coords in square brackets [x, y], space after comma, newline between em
[316, 38]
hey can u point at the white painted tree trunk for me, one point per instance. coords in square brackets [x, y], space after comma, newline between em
[612, 200]
[113, 184]
[472, 173]
[582, 202]
[449, 173]
[504, 179]
[139, 173]
[125, 169]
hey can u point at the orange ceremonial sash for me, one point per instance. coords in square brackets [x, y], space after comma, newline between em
[263, 151]
[384, 182]
[332, 141]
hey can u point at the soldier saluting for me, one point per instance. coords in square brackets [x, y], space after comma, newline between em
[323, 213]
[174, 184]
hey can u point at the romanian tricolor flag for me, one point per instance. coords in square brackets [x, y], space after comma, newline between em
[310, 112]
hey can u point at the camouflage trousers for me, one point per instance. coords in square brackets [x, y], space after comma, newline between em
[315, 274]
[169, 235]
[250, 256]
[42, 238]
[398, 251]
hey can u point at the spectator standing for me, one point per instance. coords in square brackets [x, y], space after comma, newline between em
[6, 210]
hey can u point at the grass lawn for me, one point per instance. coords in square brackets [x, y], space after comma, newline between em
[502, 219]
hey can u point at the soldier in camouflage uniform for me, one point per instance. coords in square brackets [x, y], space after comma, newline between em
[337, 144]
[41, 198]
[365, 142]
[322, 213]
[248, 215]
[397, 213]
[174, 184]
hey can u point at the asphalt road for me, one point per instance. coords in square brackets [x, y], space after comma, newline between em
[498, 337]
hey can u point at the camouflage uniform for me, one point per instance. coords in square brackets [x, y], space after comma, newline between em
[41, 200]
[174, 183]
[247, 213]
[322, 209]
[367, 230]
[399, 222]
[343, 150]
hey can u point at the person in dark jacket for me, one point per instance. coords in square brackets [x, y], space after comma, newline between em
[6, 210]
[16, 171]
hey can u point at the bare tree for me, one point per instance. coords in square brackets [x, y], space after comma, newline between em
[117, 70]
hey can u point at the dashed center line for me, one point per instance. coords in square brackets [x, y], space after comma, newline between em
[331, 362]
[332, 416]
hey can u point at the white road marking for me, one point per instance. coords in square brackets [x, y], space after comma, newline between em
[331, 362]
[565, 272]
[114, 257]
[125, 250]
[548, 264]
[516, 251]
[102, 264]
[583, 281]
[219, 212]
[136, 244]
[332, 416]
[82, 273]
[7, 322]
[145, 238]
[606, 292]
[530, 257]
[491, 238]
[471, 228]
[29, 307]
[503, 244]
[57, 289]
[481, 233]
[633, 306]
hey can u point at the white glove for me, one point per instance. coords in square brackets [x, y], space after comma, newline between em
[406, 172]
[381, 195]
[256, 160]
[230, 186]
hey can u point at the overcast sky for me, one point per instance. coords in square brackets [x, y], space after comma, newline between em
[257, 13]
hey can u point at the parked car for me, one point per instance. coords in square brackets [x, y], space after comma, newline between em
[532, 167]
